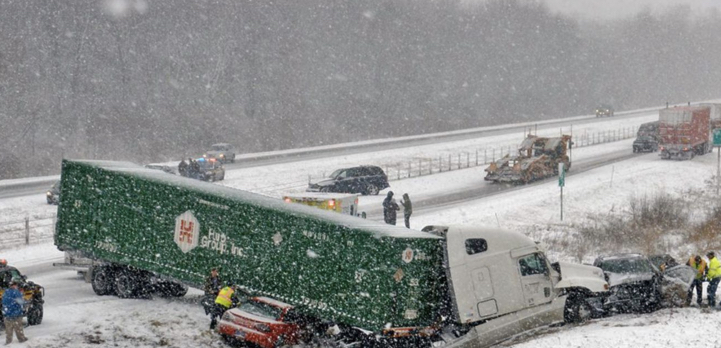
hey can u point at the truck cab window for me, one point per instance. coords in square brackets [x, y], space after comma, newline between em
[532, 264]
[475, 246]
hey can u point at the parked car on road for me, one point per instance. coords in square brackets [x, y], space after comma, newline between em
[635, 284]
[223, 152]
[264, 322]
[604, 111]
[645, 143]
[366, 180]
[53, 194]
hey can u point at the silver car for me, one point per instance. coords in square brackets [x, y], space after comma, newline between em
[223, 152]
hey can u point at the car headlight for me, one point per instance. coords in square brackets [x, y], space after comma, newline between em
[49, 193]
[221, 155]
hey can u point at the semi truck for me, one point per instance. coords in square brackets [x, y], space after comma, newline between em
[455, 286]
[685, 132]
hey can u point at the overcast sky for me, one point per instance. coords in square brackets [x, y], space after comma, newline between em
[610, 9]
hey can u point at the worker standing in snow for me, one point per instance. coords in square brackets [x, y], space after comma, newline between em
[183, 168]
[699, 265]
[714, 276]
[12, 309]
[387, 207]
[223, 302]
[407, 209]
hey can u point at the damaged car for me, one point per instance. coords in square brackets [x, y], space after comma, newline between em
[637, 285]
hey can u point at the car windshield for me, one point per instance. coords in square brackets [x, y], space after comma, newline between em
[261, 309]
[645, 138]
[340, 173]
[220, 148]
[627, 266]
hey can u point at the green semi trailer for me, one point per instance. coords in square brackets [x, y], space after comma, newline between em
[338, 267]
[459, 286]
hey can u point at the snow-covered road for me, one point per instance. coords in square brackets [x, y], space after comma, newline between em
[76, 317]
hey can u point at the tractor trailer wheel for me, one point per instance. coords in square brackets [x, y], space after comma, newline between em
[102, 280]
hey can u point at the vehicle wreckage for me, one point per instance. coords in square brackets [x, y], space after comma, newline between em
[538, 158]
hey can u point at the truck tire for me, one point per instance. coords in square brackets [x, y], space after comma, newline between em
[577, 310]
[125, 284]
[35, 314]
[102, 280]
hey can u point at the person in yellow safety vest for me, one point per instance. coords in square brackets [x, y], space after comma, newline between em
[223, 302]
[714, 277]
[699, 265]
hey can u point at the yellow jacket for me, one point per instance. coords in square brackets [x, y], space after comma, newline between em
[224, 297]
[700, 267]
[714, 268]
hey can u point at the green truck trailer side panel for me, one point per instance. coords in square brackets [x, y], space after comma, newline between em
[333, 266]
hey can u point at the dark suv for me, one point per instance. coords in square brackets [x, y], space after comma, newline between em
[366, 180]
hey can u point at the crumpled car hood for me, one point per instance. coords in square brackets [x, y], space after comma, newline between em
[627, 278]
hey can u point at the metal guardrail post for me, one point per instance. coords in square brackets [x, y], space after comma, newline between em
[27, 230]
[449, 162]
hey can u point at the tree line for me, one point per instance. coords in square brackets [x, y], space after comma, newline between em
[151, 81]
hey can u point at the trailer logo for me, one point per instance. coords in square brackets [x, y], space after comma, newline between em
[186, 231]
[407, 255]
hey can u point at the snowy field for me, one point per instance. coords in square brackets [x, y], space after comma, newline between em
[76, 317]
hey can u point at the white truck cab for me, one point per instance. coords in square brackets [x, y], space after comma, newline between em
[501, 284]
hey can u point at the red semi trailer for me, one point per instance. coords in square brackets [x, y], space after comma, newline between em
[684, 132]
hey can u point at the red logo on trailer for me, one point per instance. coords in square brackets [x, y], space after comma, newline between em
[187, 228]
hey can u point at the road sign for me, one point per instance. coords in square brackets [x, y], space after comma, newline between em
[561, 175]
[717, 137]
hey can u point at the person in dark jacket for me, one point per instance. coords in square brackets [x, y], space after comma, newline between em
[213, 283]
[12, 308]
[387, 209]
[407, 209]
[183, 168]
[193, 169]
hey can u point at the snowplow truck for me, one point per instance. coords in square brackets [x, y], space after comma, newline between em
[454, 286]
[685, 132]
[537, 158]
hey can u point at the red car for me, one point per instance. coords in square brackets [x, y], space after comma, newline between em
[262, 321]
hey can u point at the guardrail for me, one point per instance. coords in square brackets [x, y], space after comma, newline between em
[26, 231]
[421, 166]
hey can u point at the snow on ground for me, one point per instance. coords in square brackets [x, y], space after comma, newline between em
[76, 317]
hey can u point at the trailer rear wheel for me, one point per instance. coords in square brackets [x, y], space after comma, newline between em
[102, 280]
[125, 284]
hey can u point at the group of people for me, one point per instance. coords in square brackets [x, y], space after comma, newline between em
[190, 169]
[710, 272]
[390, 207]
